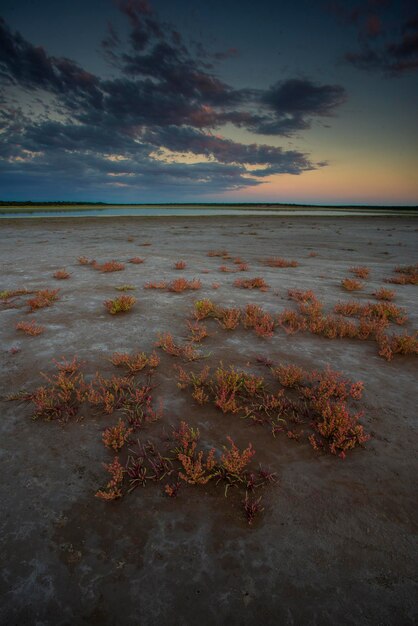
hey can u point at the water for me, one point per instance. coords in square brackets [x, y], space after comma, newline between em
[147, 211]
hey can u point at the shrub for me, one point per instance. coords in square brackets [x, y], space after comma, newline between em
[252, 283]
[353, 308]
[384, 294]
[113, 487]
[61, 274]
[302, 296]
[115, 437]
[205, 308]
[167, 343]
[181, 284]
[63, 394]
[156, 285]
[83, 260]
[122, 304]
[179, 265]
[233, 461]
[230, 318]
[218, 253]
[291, 321]
[110, 266]
[350, 284]
[289, 375]
[197, 331]
[44, 298]
[136, 260]
[30, 328]
[261, 322]
[252, 507]
[279, 262]
[135, 363]
[360, 272]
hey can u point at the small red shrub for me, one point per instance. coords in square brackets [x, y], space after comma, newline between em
[252, 283]
[44, 298]
[384, 294]
[279, 262]
[61, 274]
[350, 284]
[360, 272]
[30, 328]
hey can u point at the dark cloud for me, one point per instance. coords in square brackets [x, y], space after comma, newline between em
[296, 102]
[387, 36]
[128, 132]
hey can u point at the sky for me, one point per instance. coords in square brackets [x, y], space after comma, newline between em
[159, 101]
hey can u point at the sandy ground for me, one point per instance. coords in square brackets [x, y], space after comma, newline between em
[337, 541]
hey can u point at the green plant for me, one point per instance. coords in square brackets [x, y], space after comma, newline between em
[122, 304]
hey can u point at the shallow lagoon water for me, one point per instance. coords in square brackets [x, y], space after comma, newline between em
[147, 211]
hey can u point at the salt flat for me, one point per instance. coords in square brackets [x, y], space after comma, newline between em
[336, 542]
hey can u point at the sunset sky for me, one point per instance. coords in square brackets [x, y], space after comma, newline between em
[217, 101]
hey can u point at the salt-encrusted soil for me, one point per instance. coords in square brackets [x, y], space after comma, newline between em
[337, 542]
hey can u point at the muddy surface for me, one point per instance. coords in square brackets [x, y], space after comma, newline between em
[337, 542]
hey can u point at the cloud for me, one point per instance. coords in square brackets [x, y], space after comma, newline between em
[387, 36]
[294, 103]
[64, 123]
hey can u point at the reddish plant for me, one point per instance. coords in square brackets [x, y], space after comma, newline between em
[289, 375]
[360, 272]
[205, 308]
[136, 260]
[196, 469]
[135, 363]
[302, 296]
[259, 320]
[279, 262]
[233, 461]
[252, 283]
[109, 266]
[384, 294]
[63, 394]
[252, 507]
[350, 284]
[218, 253]
[291, 321]
[408, 275]
[113, 488]
[171, 490]
[230, 318]
[121, 304]
[181, 284]
[30, 328]
[197, 331]
[116, 436]
[397, 344]
[350, 309]
[156, 285]
[179, 265]
[167, 343]
[83, 260]
[61, 274]
[44, 298]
